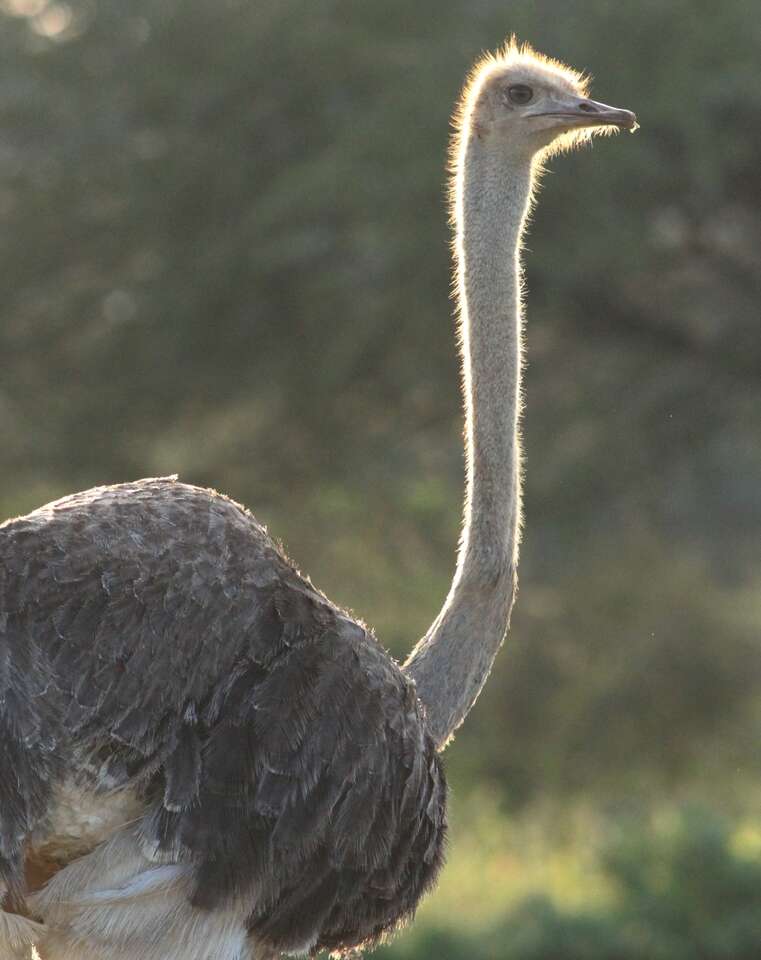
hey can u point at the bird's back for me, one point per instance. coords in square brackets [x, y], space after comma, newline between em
[157, 648]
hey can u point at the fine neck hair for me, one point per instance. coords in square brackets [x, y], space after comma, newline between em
[491, 194]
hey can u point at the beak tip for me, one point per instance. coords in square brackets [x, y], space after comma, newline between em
[631, 124]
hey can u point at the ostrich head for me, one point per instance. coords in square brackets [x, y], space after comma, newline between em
[533, 105]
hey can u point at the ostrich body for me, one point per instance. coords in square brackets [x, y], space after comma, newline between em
[210, 759]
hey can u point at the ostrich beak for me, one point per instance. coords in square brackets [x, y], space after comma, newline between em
[582, 112]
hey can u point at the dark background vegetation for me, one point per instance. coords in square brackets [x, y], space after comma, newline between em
[224, 253]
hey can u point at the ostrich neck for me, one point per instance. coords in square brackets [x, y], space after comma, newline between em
[451, 663]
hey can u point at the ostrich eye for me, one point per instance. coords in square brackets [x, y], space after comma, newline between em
[519, 93]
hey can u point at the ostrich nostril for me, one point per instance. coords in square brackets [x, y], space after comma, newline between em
[587, 107]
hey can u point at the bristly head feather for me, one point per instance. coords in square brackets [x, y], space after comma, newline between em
[517, 63]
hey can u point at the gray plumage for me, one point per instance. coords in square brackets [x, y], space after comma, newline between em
[275, 743]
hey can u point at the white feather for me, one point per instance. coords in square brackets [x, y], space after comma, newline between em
[117, 904]
[17, 936]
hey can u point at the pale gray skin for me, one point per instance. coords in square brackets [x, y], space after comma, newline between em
[257, 775]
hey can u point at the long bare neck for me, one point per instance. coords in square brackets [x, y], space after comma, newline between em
[451, 663]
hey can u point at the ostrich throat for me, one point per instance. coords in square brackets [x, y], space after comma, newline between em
[491, 197]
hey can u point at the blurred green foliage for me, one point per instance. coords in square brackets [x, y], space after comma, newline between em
[224, 246]
[679, 892]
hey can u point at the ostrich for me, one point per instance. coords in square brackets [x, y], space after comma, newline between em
[205, 757]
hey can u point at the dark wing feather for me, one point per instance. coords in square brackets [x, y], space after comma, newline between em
[155, 628]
